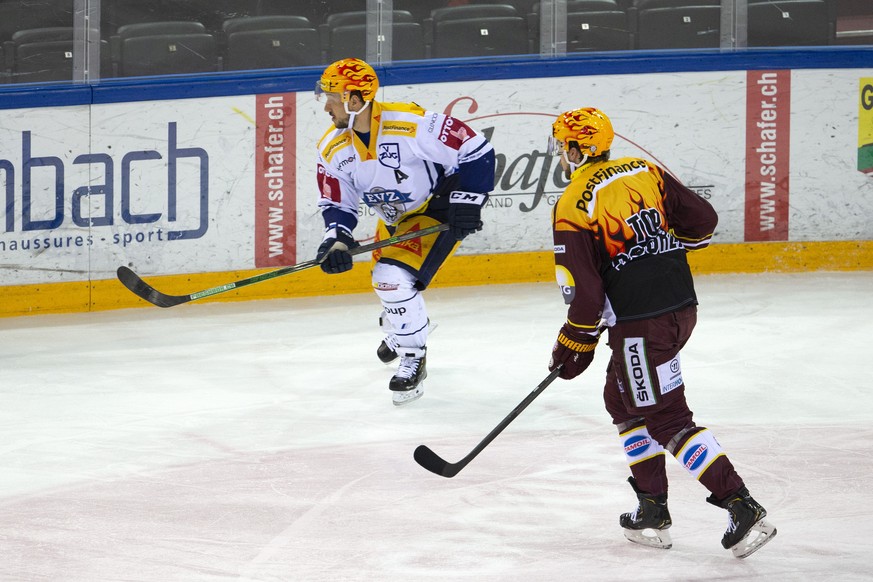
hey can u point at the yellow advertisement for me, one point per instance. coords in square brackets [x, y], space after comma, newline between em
[865, 127]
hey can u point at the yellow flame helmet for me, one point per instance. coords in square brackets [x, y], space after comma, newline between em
[588, 127]
[347, 75]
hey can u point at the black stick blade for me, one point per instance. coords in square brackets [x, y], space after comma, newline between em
[145, 291]
[434, 463]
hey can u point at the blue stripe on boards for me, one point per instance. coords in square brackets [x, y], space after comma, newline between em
[435, 71]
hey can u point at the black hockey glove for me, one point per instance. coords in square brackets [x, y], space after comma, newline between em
[333, 253]
[465, 210]
[575, 350]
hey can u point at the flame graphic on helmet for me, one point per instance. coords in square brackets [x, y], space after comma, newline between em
[347, 75]
[587, 126]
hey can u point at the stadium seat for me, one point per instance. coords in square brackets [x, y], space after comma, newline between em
[260, 23]
[790, 23]
[592, 25]
[272, 48]
[494, 38]
[359, 18]
[119, 43]
[677, 27]
[168, 54]
[46, 54]
[407, 42]
[476, 37]
[233, 25]
[469, 11]
[598, 31]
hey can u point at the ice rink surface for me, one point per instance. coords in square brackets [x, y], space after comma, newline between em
[257, 441]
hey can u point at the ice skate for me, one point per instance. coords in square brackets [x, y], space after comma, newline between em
[747, 529]
[649, 523]
[406, 385]
[387, 350]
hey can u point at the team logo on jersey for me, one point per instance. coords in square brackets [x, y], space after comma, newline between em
[389, 203]
[455, 132]
[328, 185]
[565, 283]
[406, 128]
[336, 144]
[389, 155]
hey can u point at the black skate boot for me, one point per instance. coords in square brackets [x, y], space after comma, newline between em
[747, 529]
[648, 525]
[387, 350]
[406, 385]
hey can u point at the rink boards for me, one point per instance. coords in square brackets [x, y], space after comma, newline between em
[196, 192]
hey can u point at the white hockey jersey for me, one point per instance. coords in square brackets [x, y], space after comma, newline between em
[409, 152]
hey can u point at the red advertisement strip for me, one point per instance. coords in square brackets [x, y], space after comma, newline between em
[275, 181]
[768, 105]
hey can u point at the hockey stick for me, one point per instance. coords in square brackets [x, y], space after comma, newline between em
[142, 289]
[436, 464]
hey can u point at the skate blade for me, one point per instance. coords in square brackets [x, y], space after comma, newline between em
[761, 533]
[652, 538]
[401, 398]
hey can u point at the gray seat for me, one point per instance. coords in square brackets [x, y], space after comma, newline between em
[678, 27]
[790, 23]
[38, 61]
[167, 54]
[272, 48]
[477, 37]
[407, 42]
[598, 31]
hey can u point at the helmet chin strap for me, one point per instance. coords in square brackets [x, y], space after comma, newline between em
[353, 113]
[573, 167]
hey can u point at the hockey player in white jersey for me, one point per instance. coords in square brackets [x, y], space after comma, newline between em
[415, 169]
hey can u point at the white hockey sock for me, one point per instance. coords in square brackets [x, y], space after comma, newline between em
[403, 305]
[698, 453]
[639, 445]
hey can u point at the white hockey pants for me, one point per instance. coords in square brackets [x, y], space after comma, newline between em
[403, 304]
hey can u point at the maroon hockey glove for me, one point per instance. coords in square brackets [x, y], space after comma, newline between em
[574, 351]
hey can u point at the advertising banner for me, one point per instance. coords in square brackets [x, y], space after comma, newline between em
[865, 127]
[164, 186]
[768, 135]
[275, 180]
[225, 184]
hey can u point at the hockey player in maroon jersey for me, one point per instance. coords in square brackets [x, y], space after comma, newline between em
[621, 232]
[414, 169]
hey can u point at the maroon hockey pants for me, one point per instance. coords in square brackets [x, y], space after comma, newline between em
[635, 395]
